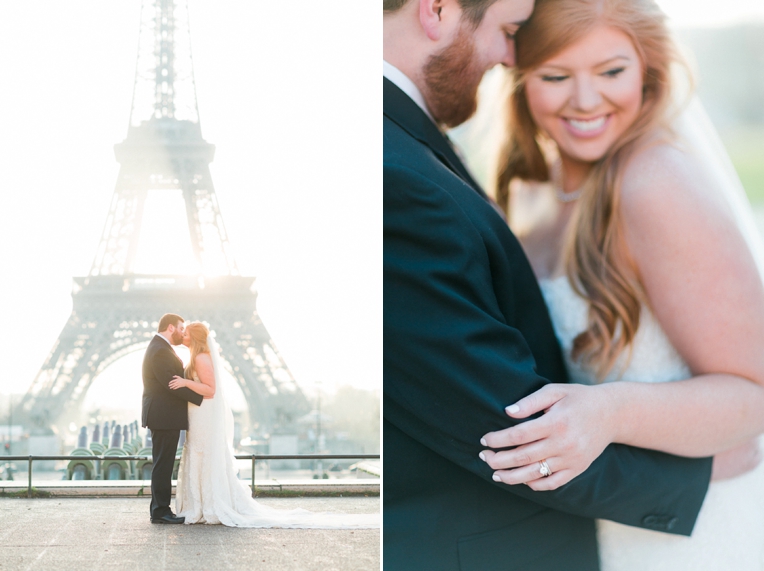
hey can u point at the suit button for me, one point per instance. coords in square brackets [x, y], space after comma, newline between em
[660, 522]
[650, 520]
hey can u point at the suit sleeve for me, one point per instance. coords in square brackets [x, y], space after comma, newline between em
[165, 368]
[452, 362]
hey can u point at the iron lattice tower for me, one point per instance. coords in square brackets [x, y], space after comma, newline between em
[115, 309]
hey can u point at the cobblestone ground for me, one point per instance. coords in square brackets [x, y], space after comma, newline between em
[115, 533]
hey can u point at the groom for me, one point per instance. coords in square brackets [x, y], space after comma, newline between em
[165, 411]
[466, 332]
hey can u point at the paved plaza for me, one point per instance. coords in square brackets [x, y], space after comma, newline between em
[65, 534]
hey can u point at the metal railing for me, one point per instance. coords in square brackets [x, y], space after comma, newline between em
[253, 457]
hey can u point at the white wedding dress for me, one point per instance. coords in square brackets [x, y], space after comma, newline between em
[208, 489]
[729, 533]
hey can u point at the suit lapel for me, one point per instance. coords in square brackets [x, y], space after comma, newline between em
[166, 346]
[400, 108]
[178, 359]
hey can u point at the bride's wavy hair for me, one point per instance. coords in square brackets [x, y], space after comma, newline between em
[595, 257]
[198, 332]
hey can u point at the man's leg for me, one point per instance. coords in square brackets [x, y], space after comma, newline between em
[164, 447]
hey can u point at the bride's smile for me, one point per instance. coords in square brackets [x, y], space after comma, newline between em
[586, 128]
[588, 95]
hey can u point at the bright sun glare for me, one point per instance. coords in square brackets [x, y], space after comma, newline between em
[164, 246]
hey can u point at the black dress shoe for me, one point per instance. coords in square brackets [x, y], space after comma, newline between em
[169, 518]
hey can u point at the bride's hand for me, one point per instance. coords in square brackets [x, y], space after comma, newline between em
[575, 428]
[178, 382]
[736, 461]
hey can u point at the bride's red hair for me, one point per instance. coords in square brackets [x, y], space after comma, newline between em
[198, 332]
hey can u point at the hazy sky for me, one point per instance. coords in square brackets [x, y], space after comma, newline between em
[712, 13]
[285, 95]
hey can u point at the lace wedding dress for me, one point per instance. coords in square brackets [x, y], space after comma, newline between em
[729, 533]
[208, 489]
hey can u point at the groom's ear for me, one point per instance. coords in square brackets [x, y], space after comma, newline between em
[438, 17]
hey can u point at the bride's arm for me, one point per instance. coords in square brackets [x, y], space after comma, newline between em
[206, 374]
[704, 289]
[706, 292]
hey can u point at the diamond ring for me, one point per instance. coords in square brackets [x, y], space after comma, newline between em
[544, 469]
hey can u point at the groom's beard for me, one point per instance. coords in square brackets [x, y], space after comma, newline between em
[451, 81]
[177, 338]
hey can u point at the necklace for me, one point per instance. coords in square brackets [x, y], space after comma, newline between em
[556, 180]
[566, 197]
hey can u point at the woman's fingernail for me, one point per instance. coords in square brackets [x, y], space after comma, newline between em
[482, 456]
[483, 442]
[512, 409]
[496, 478]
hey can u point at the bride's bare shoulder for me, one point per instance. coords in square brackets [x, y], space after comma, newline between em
[664, 181]
[203, 359]
[654, 168]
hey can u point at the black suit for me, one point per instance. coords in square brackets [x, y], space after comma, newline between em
[165, 412]
[466, 332]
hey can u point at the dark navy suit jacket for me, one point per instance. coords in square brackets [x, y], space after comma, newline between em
[466, 333]
[164, 408]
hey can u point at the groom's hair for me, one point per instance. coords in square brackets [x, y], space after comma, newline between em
[474, 10]
[167, 320]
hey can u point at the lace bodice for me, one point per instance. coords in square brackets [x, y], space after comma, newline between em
[653, 359]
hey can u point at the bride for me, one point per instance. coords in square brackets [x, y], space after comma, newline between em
[635, 224]
[208, 489]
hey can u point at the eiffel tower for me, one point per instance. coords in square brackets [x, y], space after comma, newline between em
[115, 309]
